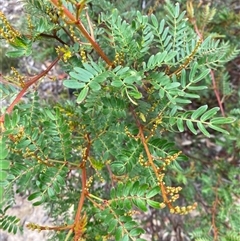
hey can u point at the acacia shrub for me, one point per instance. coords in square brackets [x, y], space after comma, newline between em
[106, 154]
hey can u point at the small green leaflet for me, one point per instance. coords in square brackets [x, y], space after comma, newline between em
[201, 76]
[207, 115]
[191, 127]
[154, 21]
[73, 84]
[198, 112]
[202, 128]
[82, 95]
[81, 74]
[50, 114]
[180, 124]
[4, 164]
[19, 53]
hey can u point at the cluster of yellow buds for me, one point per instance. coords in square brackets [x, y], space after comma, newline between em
[89, 183]
[160, 175]
[52, 13]
[72, 31]
[65, 51]
[171, 158]
[18, 77]
[173, 193]
[131, 213]
[29, 153]
[129, 134]
[29, 23]
[33, 226]
[17, 137]
[119, 59]
[81, 225]
[183, 210]
[173, 190]
[60, 9]
[83, 154]
[142, 162]
[32, 155]
[83, 55]
[7, 31]
[155, 125]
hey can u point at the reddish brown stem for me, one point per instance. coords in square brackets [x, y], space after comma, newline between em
[26, 86]
[150, 160]
[52, 36]
[77, 221]
[217, 92]
[80, 26]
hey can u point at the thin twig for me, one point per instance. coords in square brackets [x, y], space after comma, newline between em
[216, 92]
[27, 85]
[77, 221]
[82, 29]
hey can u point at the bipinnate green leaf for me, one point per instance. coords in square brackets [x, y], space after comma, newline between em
[9, 223]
